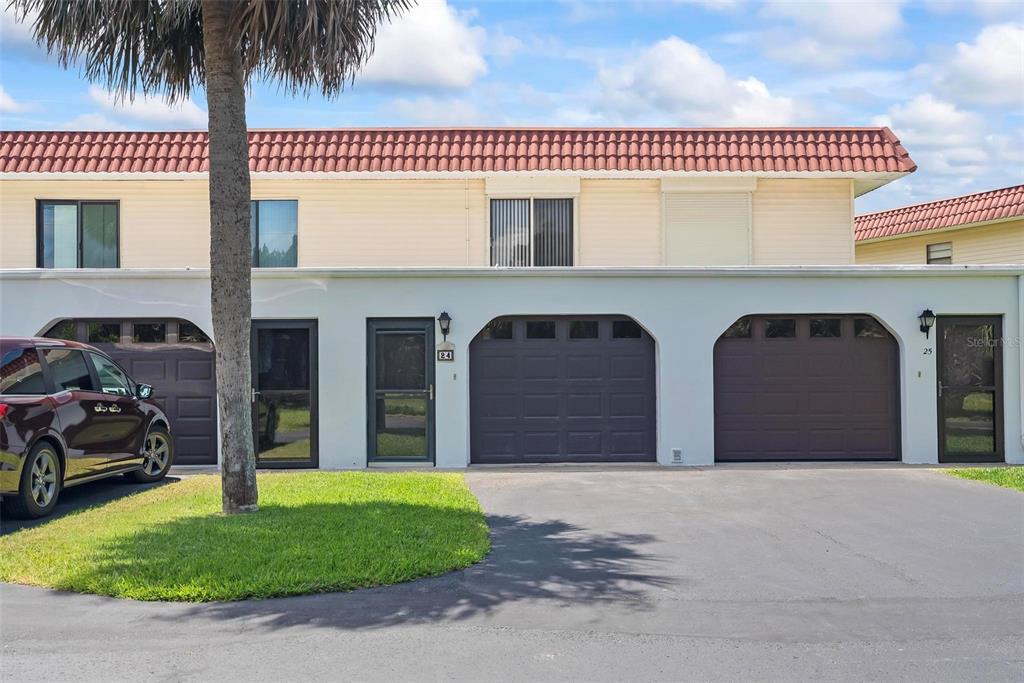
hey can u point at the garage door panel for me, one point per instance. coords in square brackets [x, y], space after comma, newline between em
[806, 397]
[578, 400]
[500, 367]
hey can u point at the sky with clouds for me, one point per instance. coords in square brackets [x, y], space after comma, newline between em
[947, 77]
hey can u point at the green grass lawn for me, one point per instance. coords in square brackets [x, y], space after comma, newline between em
[1010, 477]
[314, 532]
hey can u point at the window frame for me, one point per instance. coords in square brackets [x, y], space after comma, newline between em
[531, 197]
[942, 260]
[254, 251]
[98, 381]
[78, 204]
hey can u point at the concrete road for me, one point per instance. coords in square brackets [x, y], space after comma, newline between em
[733, 573]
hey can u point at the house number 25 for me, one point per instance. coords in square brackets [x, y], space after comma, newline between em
[928, 351]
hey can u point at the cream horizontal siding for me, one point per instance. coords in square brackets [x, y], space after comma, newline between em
[707, 229]
[162, 223]
[996, 243]
[619, 223]
[803, 222]
[385, 222]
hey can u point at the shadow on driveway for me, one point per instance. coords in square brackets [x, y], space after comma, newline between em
[551, 562]
[84, 496]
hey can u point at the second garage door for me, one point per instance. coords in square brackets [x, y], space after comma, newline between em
[821, 387]
[566, 389]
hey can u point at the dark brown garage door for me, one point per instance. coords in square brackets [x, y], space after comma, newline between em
[806, 388]
[567, 389]
[178, 360]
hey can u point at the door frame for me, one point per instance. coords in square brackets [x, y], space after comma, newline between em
[999, 454]
[314, 390]
[373, 325]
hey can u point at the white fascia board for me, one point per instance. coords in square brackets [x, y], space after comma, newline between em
[879, 178]
[866, 271]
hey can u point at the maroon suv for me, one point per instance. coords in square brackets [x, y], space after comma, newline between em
[69, 414]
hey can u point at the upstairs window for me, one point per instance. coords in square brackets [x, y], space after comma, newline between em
[940, 253]
[76, 234]
[274, 233]
[531, 232]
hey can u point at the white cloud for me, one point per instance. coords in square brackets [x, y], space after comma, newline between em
[15, 34]
[432, 45]
[990, 70]
[437, 112]
[678, 83]
[8, 105]
[957, 151]
[830, 34]
[150, 111]
[93, 122]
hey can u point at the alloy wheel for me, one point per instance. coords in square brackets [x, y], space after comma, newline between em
[155, 455]
[43, 480]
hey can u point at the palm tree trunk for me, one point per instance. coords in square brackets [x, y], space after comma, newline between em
[230, 255]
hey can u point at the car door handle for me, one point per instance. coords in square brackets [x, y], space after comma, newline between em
[99, 408]
[113, 409]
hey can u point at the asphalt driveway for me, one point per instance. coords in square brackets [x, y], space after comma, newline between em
[732, 573]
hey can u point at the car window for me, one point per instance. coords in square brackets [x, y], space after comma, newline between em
[70, 373]
[21, 373]
[112, 378]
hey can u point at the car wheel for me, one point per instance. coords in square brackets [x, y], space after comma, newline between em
[39, 486]
[157, 457]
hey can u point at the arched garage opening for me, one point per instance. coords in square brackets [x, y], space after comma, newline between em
[806, 387]
[577, 388]
[176, 357]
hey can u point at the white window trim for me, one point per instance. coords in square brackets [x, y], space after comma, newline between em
[531, 196]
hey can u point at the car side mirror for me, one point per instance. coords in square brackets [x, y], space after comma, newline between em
[143, 391]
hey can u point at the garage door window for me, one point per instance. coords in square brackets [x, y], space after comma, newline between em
[741, 329]
[65, 329]
[583, 329]
[868, 327]
[540, 329]
[103, 333]
[497, 329]
[827, 328]
[779, 328]
[191, 334]
[149, 333]
[626, 329]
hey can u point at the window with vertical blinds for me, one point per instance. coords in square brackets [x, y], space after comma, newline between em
[531, 232]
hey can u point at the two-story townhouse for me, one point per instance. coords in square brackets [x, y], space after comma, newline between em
[476, 296]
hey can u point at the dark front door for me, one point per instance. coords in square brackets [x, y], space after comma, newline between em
[970, 389]
[806, 387]
[400, 379]
[284, 382]
[562, 389]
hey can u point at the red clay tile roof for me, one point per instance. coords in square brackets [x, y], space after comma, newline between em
[417, 149]
[1007, 202]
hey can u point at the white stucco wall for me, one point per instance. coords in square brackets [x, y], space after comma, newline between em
[684, 309]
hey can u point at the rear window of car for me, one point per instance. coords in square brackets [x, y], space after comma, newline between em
[70, 373]
[21, 373]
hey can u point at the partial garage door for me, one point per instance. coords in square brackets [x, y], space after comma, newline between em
[806, 388]
[178, 360]
[566, 389]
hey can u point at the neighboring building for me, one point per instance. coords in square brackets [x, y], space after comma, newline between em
[985, 227]
[672, 295]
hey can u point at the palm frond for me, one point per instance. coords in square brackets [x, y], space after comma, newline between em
[156, 46]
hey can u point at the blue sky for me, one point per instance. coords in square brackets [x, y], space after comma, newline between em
[948, 77]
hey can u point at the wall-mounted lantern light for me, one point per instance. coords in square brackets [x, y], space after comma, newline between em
[927, 319]
[444, 321]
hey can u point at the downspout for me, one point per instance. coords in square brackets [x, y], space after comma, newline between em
[1020, 350]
